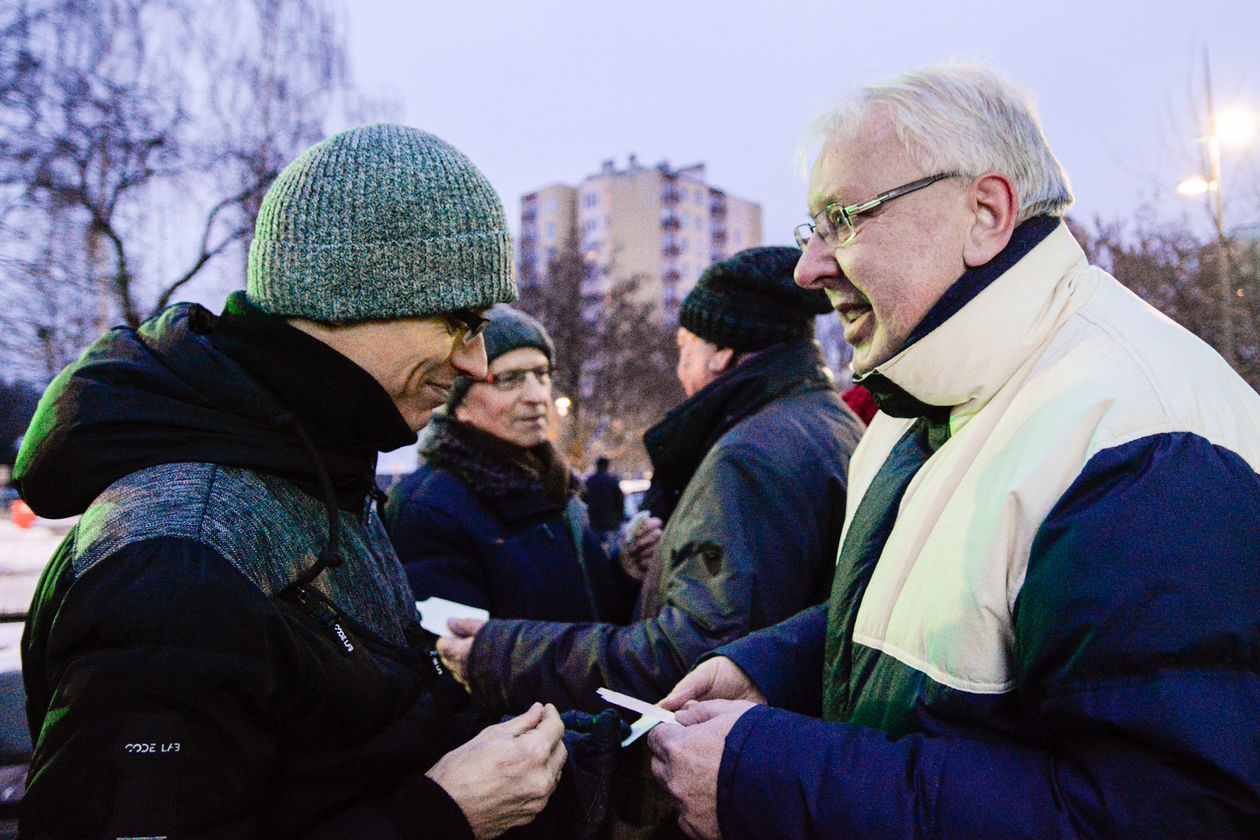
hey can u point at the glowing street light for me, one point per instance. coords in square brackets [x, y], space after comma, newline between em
[562, 406]
[1235, 126]
[1195, 186]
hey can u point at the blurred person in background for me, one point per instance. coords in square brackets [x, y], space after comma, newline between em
[607, 503]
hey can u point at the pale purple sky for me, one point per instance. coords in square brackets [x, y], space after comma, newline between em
[543, 92]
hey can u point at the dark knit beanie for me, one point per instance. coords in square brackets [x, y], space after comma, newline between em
[750, 301]
[376, 223]
[509, 329]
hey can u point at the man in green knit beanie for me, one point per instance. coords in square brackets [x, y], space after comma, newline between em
[226, 644]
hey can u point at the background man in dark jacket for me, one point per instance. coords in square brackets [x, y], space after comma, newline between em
[226, 645]
[605, 501]
[749, 476]
[491, 518]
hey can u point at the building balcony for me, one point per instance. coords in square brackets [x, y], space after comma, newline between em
[670, 222]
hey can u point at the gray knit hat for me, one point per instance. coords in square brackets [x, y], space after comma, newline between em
[380, 222]
[509, 329]
[750, 301]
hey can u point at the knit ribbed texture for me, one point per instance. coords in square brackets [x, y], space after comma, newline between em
[751, 301]
[509, 329]
[380, 222]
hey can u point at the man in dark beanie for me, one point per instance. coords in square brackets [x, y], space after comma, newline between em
[749, 476]
[226, 645]
[492, 518]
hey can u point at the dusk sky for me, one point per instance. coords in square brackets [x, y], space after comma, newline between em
[539, 93]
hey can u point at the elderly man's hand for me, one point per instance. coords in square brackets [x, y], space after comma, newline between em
[685, 759]
[717, 678]
[504, 776]
[457, 647]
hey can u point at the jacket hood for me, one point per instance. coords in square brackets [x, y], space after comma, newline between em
[180, 389]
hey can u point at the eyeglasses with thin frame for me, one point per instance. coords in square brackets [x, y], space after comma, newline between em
[468, 325]
[511, 380]
[835, 222]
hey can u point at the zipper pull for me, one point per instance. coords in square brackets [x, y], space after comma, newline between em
[326, 616]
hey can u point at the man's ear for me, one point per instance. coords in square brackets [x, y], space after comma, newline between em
[994, 206]
[720, 361]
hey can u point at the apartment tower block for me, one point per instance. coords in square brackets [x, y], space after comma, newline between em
[663, 226]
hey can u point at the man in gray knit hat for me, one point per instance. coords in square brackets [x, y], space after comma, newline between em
[226, 644]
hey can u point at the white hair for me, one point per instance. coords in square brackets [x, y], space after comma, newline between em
[966, 119]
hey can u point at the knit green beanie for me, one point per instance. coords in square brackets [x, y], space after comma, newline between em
[750, 301]
[376, 223]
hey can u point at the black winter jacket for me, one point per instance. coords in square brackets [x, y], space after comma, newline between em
[190, 670]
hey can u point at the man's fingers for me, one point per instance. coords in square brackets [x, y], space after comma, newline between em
[555, 761]
[659, 739]
[464, 627]
[695, 684]
[519, 725]
[693, 713]
[454, 653]
[549, 723]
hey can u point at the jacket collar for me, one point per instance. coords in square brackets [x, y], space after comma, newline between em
[340, 402]
[678, 443]
[983, 329]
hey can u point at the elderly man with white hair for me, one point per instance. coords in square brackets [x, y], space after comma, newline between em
[1045, 620]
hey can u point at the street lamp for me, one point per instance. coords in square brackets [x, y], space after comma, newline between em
[1234, 125]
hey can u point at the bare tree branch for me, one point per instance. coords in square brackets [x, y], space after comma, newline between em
[140, 134]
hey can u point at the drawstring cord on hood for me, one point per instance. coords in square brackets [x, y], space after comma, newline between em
[330, 556]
